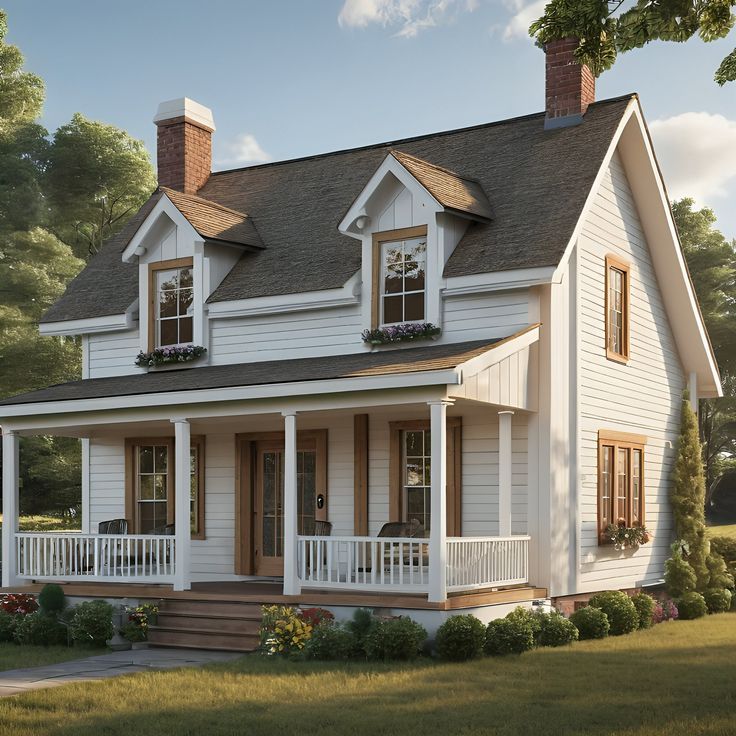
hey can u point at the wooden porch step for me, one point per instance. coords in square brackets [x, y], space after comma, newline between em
[227, 609]
[202, 639]
[193, 620]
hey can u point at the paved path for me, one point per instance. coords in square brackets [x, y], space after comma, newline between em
[14, 682]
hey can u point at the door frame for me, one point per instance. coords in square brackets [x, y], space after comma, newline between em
[246, 445]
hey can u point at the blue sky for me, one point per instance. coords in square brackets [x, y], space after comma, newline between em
[291, 78]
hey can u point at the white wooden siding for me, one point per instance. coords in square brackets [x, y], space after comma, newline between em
[642, 397]
[106, 481]
[477, 316]
[113, 354]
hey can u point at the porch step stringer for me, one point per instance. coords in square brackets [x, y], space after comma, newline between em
[196, 624]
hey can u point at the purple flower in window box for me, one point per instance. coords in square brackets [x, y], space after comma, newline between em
[173, 354]
[401, 333]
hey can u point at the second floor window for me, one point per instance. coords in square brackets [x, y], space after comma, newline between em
[172, 288]
[617, 309]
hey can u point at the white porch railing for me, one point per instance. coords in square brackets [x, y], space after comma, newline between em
[402, 564]
[486, 562]
[96, 557]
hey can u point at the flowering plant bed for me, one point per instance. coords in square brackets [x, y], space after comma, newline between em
[136, 627]
[173, 354]
[626, 537]
[18, 604]
[401, 333]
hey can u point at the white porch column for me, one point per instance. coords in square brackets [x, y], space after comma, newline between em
[10, 508]
[438, 527]
[693, 390]
[182, 490]
[505, 463]
[291, 581]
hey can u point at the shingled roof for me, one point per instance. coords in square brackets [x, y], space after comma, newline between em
[536, 180]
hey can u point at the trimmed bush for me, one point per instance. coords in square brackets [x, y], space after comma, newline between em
[8, 623]
[725, 547]
[644, 604]
[52, 599]
[692, 605]
[395, 638]
[330, 642]
[679, 575]
[720, 577]
[717, 600]
[510, 635]
[40, 629]
[91, 623]
[591, 623]
[533, 619]
[359, 626]
[460, 638]
[622, 615]
[557, 631]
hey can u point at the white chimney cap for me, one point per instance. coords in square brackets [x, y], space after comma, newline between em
[186, 108]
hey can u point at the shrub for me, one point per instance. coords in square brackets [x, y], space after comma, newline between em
[510, 635]
[316, 616]
[18, 603]
[644, 605]
[395, 638]
[330, 641]
[692, 605]
[52, 599]
[533, 619]
[622, 615]
[91, 623]
[725, 547]
[591, 623]
[718, 600]
[557, 631]
[8, 623]
[665, 610]
[720, 577]
[460, 638]
[40, 629]
[359, 626]
[679, 576]
[283, 631]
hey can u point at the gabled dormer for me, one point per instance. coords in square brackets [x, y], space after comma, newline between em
[409, 217]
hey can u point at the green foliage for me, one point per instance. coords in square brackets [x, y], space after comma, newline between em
[510, 635]
[331, 642]
[622, 615]
[724, 546]
[604, 32]
[395, 639]
[52, 599]
[591, 623]
[557, 631]
[718, 572]
[531, 618]
[692, 605]
[40, 629]
[679, 576]
[131, 631]
[460, 638]
[644, 605]
[91, 623]
[96, 178]
[718, 600]
[8, 623]
[359, 626]
[283, 632]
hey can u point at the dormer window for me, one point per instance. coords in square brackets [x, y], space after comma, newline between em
[400, 265]
[172, 303]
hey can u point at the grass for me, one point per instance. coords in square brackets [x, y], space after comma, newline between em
[675, 679]
[14, 657]
[46, 523]
[722, 530]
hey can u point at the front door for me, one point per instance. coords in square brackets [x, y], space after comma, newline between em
[268, 521]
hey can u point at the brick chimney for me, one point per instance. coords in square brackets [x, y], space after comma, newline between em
[184, 146]
[570, 86]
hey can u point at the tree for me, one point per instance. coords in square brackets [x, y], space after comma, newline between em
[607, 28]
[97, 176]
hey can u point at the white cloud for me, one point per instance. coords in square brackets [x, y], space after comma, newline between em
[412, 16]
[697, 153]
[243, 149]
[524, 14]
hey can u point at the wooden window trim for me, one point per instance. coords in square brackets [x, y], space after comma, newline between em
[454, 470]
[630, 442]
[130, 500]
[387, 236]
[613, 261]
[153, 268]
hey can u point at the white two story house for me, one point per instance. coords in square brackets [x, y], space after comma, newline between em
[536, 265]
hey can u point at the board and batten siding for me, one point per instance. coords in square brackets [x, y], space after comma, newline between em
[642, 397]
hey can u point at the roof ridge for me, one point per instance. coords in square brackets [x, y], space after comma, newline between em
[209, 202]
[412, 139]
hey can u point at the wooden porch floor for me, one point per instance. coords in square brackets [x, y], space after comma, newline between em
[264, 592]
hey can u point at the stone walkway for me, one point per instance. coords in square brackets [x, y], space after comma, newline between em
[14, 682]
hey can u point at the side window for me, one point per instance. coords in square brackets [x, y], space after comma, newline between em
[171, 303]
[617, 309]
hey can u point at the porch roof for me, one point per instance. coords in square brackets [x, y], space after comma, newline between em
[356, 365]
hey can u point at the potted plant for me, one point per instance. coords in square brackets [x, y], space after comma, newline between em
[627, 537]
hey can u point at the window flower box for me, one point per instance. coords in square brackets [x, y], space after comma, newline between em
[626, 537]
[171, 355]
[408, 332]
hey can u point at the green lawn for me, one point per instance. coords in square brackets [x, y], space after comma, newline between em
[723, 530]
[676, 679]
[14, 657]
[46, 523]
